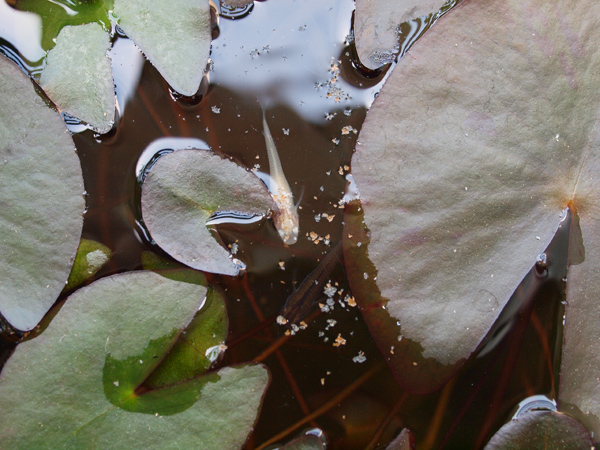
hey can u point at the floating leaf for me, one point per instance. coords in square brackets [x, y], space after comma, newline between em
[543, 430]
[78, 75]
[180, 193]
[306, 442]
[203, 341]
[41, 201]
[404, 441]
[466, 160]
[174, 35]
[82, 378]
[580, 372]
[376, 26]
[90, 258]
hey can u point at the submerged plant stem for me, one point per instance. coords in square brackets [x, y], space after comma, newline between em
[326, 407]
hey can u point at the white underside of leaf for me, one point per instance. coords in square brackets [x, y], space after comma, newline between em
[41, 201]
[78, 75]
[181, 192]
[467, 158]
[175, 36]
[376, 27]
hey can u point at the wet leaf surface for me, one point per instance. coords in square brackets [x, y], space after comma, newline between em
[202, 343]
[580, 372]
[445, 158]
[90, 258]
[41, 200]
[306, 442]
[543, 430]
[78, 75]
[180, 193]
[175, 36]
[404, 441]
[377, 23]
[90, 364]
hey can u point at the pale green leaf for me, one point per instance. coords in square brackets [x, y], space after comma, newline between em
[174, 35]
[376, 25]
[78, 75]
[180, 193]
[80, 383]
[41, 200]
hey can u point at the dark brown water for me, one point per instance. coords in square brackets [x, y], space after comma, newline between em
[280, 53]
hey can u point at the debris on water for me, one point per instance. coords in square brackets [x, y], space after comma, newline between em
[216, 110]
[339, 340]
[234, 248]
[360, 358]
[282, 265]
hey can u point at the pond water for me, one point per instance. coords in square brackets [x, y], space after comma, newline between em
[297, 59]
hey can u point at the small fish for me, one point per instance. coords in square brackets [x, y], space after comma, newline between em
[287, 220]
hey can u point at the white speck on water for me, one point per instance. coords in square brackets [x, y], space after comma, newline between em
[216, 110]
[116, 383]
[360, 358]
[366, 275]
[286, 131]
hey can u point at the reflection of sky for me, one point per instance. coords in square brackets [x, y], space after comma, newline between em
[24, 29]
[284, 60]
[279, 63]
[172, 143]
[127, 64]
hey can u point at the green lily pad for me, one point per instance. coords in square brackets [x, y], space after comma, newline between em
[376, 25]
[183, 189]
[90, 258]
[202, 343]
[465, 163]
[80, 384]
[174, 35]
[78, 75]
[541, 430]
[41, 200]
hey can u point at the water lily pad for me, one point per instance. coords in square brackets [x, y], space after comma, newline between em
[376, 24]
[404, 441]
[78, 75]
[181, 192]
[580, 372]
[543, 430]
[306, 442]
[174, 35]
[202, 344]
[80, 384]
[90, 258]
[465, 162]
[41, 200]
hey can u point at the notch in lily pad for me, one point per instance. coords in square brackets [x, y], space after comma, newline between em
[181, 192]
